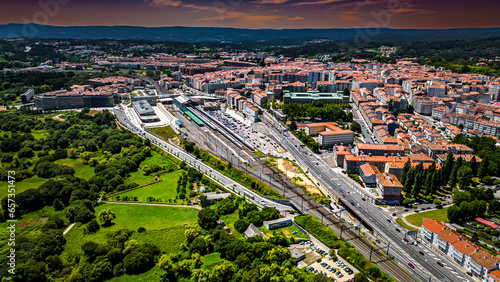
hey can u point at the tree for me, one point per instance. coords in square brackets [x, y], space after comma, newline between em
[93, 226]
[448, 167]
[167, 265]
[293, 125]
[409, 109]
[461, 196]
[464, 177]
[483, 168]
[454, 214]
[222, 272]
[269, 213]
[57, 204]
[204, 202]
[454, 173]
[241, 225]
[435, 182]
[25, 153]
[418, 184]
[207, 218]
[360, 277]
[199, 245]
[406, 169]
[355, 126]
[437, 202]
[473, 165]
[106, 216]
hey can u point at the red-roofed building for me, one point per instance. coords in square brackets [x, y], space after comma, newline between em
[486, 222]
[477, 261]
[389, 186]
[368, 173]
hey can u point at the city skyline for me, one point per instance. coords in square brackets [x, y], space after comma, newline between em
[257, 14]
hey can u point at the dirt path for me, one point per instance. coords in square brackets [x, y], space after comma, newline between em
[58, 117]
[68, 228]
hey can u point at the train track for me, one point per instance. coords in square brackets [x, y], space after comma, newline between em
[284, 186]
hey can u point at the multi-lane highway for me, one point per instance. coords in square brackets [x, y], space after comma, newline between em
[373, 216]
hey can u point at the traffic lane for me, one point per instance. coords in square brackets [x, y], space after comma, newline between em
[396, 240]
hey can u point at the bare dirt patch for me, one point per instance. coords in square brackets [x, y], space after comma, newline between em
[298, 177]
[32, 222]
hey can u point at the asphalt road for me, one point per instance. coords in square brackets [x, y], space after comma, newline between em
[188, 158]
[382, 223]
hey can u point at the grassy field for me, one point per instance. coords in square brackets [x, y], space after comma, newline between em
[81, 170]
[150, 217]
[439, 214]
[75, 237]
[165, 132]
[156, 159]
[404, 225]
[30, 183]
[211, 260]
[229, 220]
[40, 134]
[154, 274]
[165, 189]
[288, 230]
[139, 178]
[168, 240]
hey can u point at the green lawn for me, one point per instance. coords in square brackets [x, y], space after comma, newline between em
[75, 237]
[30, 183]
[154, 274]
[287, 231]
[140, 178]
[404, 225]
[165, 189]
[150, 217]
[439, 214]
[168, 240]
[81, 171]
[229, 220]
[165, 132]
[156, 159]
[40, 134]
[211, 260]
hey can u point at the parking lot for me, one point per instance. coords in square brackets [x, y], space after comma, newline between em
[318, 261]
[249, 132]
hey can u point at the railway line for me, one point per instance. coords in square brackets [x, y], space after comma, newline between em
[298, 198]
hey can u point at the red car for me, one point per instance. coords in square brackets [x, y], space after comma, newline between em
[362, 185]
[343, 195]
[404, 239]
[411, 265]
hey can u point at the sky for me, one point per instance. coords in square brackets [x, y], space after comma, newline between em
[256, 14]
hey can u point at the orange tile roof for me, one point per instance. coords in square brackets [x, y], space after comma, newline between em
[388, 180]
[369, 169]
[484, 259]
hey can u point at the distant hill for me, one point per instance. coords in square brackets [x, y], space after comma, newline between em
[217, 34]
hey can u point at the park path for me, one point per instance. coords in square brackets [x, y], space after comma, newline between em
[68, 228]
[403, 217]
[151, 204]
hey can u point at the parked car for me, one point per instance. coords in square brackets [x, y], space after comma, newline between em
[411, 265]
